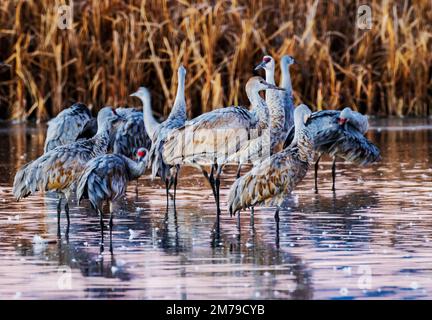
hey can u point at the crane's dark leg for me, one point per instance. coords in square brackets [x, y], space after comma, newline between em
[167, 192]
[217, 187]
[210, 181]
[238, 221]
[67, 212]
[316, 173]
[238, 171]
[101, 223]
[252, 217]
[136, 187]
[111, 224]
[58, 215]
[175, 186]
[333, 174]
[276, 216]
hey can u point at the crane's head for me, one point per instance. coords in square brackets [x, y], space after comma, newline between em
[301, 115]
[345, 116]
[141, 92]
[288, 60]
[259, 84]
[142, 154]
[267, 63]
[181, 71]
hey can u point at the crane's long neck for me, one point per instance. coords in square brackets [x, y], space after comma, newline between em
[286, 79]
[288, 95]
[150, 122]
[179, 109]
[304, 142]
[270, 75]
[259, 107]
[135, 168]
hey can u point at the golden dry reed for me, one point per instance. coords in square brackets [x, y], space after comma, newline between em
[116, 46]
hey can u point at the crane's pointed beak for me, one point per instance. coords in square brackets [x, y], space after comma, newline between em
[272, 86]
[133, 94]
[260, 66]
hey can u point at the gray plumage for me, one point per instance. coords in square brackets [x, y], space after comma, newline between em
[203, 140]
[105, 177]
[341, 135]
[273, 179]
[67, 126]
[58, 169]
[130, 134]
[209, 139]
[351, 145]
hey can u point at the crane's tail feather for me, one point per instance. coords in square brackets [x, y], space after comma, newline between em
[23, 185]
[352, 147]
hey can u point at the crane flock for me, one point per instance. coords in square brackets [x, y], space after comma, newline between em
[95, 158]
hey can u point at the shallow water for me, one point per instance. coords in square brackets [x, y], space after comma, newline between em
[369, 240]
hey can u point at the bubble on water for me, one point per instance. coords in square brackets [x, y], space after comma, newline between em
[414, 285]
[343, 291]
[257, 294]
[85, 243]
[267, 274]
[276, 293]
[248, 244]
[132, 234]
[347, 270]
[17, 295]
[114, 269]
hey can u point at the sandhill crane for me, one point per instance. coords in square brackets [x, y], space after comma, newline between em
[159, 132]
[204, 141]
[279, 99]
[58, 169]
[105, 178]
[67, 126]
[273, 179]
[355, 123]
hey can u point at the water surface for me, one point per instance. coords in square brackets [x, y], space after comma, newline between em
[369, 240]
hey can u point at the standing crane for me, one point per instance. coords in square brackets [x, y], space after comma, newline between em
[159, 132]
[105, 178]
[273, 179]
[203, 141]
[355, 124]
[67, 126]
[58, 169]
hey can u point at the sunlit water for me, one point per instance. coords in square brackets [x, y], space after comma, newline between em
[369, 240]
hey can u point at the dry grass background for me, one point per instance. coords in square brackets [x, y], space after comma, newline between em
[116, 46]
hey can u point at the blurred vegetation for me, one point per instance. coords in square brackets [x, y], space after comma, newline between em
[116, 46]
